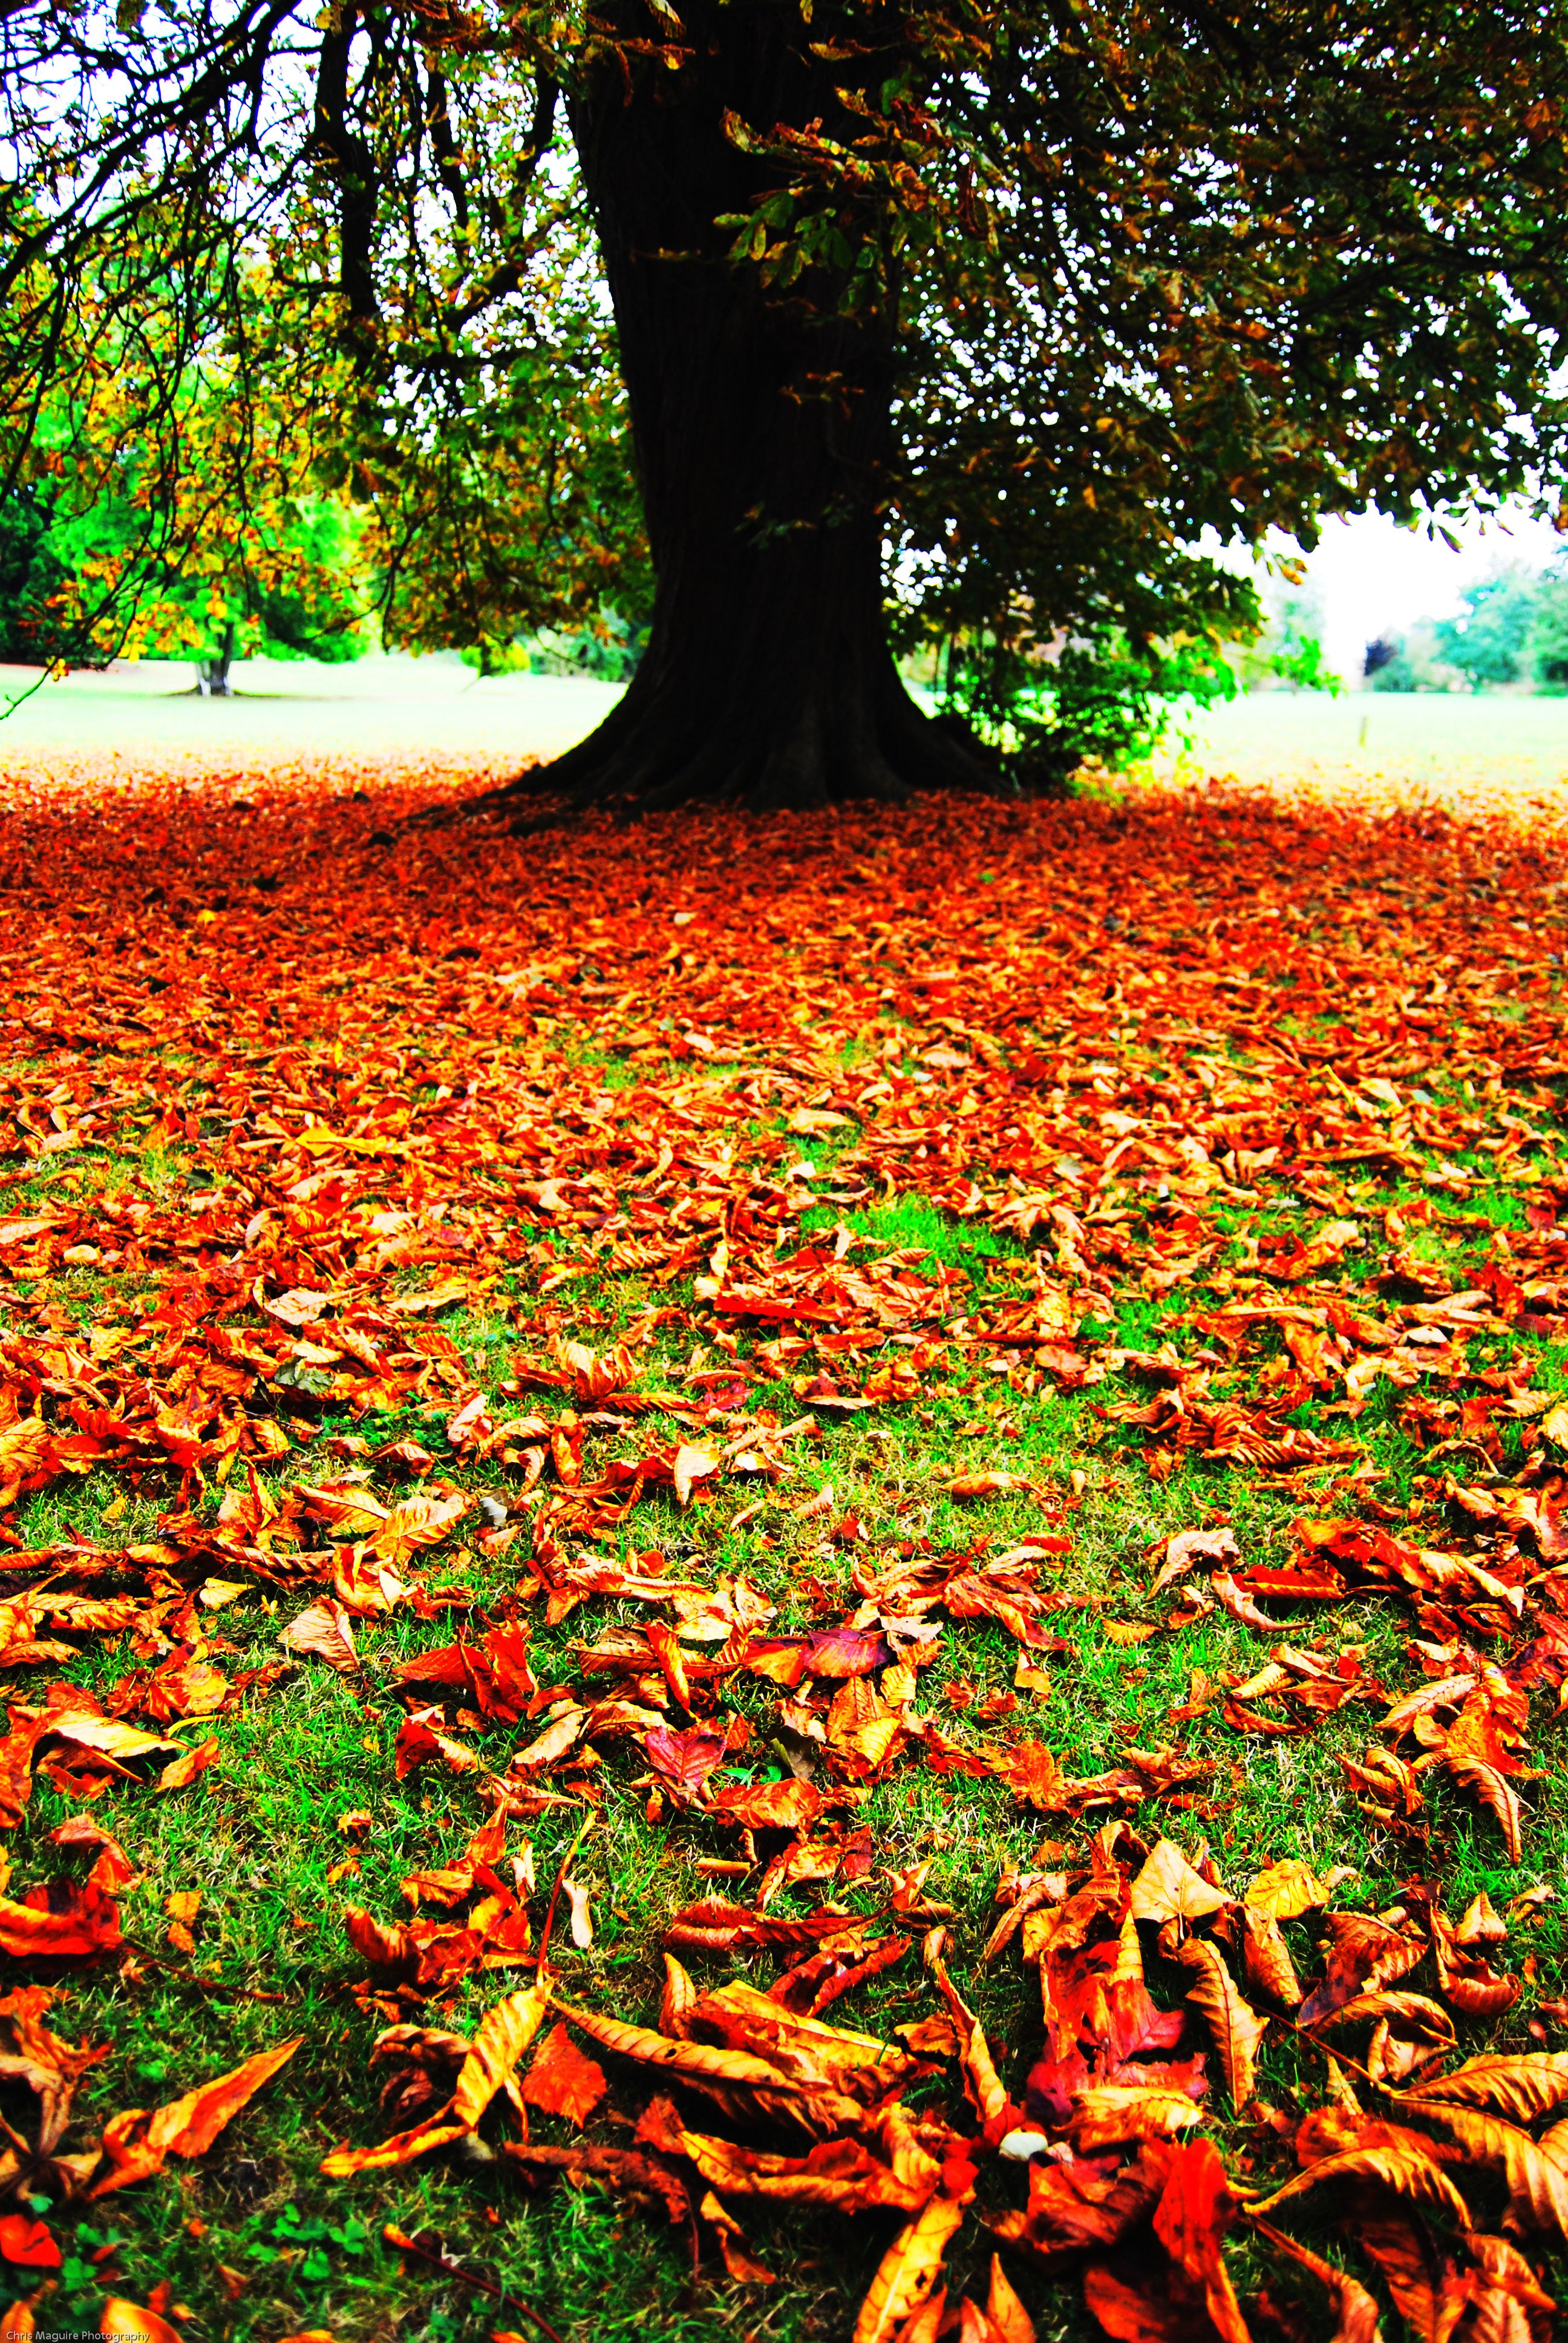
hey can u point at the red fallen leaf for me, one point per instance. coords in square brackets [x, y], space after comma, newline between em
[418, 1741]
[687, 1759]
[837, 1653]
[60, 1922]
[1033, 1772]
[562, 2081]
[26, 2243]
[1195, 2208]
[768, 1806]
[114, 1867]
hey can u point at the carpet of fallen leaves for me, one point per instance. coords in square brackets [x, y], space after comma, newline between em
[1248, 1068]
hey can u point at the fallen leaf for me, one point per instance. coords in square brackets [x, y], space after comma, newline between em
[561, 2081]
[501, 2036]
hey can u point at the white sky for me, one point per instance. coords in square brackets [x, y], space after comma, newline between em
[1376, 579]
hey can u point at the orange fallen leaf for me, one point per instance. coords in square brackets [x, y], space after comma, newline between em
[562, 2081]
[136, 2143]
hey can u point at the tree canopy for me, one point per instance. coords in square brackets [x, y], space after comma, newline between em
[986, 327]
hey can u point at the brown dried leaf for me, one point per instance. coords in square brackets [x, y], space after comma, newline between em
[1521, 2085]
[327, 1632]
[907, 2272]
[503, 2034]
[1237, 2029]
[1168, 1888]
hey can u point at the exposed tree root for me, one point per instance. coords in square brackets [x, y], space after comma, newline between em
[660, 749]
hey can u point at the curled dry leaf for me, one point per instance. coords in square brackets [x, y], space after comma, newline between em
[1237, 2028]
[1409, 2169]
[982, 2087]
[403, 2147]
[327, 1632]
[1536, 2180]
[501, 2038]
[1189, 1547]
[1521, 2085]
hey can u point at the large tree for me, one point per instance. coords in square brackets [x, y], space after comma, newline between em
[988, 325]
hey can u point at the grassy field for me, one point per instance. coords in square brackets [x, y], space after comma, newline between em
[269, 1032]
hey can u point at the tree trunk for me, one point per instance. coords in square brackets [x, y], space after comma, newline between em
[761, 427]
[213, 673]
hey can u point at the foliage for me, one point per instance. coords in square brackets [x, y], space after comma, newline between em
[31, 573]
[288, 585]
[1511, 631]
[1080, 702]
[1487, 643]
[1290, 650]
[1549, 633]
[856, 1412]
[1136, 278]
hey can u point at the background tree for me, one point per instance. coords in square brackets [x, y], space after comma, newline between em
[1488, 642]
[990, 314]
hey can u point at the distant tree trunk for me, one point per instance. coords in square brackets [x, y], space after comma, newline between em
[761, 430]
[213, 671]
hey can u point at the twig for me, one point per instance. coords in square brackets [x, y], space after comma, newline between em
[1340, 2057]
[584, 1827]
[407, 2245]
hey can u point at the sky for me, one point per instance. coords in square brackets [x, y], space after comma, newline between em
[1377, 580]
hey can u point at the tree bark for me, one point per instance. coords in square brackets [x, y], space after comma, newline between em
[761, 429]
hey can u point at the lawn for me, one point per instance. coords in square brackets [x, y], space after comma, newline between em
[639, 1394]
